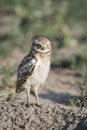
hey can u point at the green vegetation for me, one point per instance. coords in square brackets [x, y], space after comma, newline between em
[8, 73]
[8, 95]
[78, 101]
[6, 48]
[77, 61]
[53, 19]
[83, 85]
[82, 100]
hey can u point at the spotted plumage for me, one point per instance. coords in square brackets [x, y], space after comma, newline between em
[34, 68]
[25, 69]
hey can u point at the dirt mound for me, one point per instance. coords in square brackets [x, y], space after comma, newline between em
[18, 116]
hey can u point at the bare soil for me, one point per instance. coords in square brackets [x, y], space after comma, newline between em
[18, 116]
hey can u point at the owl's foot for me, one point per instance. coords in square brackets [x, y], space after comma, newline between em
[38, 104]
[27, 104]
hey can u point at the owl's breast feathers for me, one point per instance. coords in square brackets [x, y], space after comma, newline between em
[25, 70]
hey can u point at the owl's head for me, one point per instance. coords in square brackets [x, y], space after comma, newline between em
[42, 45]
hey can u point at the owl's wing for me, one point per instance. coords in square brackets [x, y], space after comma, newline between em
[25, 69]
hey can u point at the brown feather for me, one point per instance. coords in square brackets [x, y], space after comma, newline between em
[25, 69]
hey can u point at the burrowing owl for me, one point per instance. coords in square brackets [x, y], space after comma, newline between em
[34, 68]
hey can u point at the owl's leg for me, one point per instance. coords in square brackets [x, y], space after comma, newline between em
[28, 96]
[36, 94]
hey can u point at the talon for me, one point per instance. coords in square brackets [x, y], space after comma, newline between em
[38, 105]
[27, 104]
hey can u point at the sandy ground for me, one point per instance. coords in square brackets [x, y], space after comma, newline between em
[18, 116]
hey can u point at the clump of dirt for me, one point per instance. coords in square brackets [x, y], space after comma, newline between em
[18, 116]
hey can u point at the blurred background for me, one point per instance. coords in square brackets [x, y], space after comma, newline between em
[64, 23]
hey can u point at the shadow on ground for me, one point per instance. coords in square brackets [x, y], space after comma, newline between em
[62, 98]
